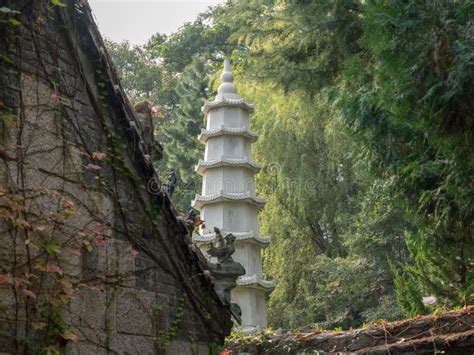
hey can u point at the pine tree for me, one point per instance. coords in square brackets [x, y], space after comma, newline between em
[182, 150]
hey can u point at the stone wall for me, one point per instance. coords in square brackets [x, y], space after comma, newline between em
[93, 259]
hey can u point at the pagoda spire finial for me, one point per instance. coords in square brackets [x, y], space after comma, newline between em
[227, 88]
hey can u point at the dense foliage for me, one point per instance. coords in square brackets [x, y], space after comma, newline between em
[365, 117]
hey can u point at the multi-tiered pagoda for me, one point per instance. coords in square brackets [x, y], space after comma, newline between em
[229, 200]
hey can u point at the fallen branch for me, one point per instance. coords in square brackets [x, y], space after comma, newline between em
[452, 331]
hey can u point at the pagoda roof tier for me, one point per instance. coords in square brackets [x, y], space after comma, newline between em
[222, 101]
[228, 131]
[240, 237]
[203, 165]
[202, 200]
[253, 281]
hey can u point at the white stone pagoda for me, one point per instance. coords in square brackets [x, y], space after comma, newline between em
[229, 200]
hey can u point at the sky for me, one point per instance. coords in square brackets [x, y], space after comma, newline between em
[137, 20]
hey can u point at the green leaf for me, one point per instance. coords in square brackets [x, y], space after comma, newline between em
[52, 249]
[8, 120]
[7, 59]
[14, 21]
[58, 3]
[6, 10]
[39, 325]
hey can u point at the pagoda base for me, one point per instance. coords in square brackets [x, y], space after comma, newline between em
[252, 304]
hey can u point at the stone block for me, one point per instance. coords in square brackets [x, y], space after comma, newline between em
[91, 336]
[88, 309]
[125, 344]
[186, 348]
[164, 278]
[161, 309]
[8, 305]
[135, 312]
[90, 263]
[166, 289]
[145, 270]
[72, 265]
[7, 342]
[121, 262]
[84, 348]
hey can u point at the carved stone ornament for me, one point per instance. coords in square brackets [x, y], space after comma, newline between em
[226, 271]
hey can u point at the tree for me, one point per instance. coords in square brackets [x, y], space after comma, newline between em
[301, 45]
[411, 108]
[194, 39]
[142, 75]
[182, 150]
